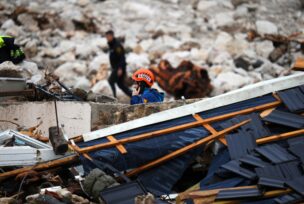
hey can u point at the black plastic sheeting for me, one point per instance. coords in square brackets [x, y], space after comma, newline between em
[161, 179]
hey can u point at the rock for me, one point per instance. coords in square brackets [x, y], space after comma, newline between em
[204, 5]
[82, 83]
[278, 52]
[136, 61]
[100, 98]
[29, 67]
[28, 22]
[31, 49]
[8, 24]
[224, 19]
[266, 27]
[175, 58]
[102, 87]
[146, 44]
[68, 72]
[222, 40]
[98, 61]
[9, 69]
[229, 81]
[240, 62]
[264, 48]
[137, 10]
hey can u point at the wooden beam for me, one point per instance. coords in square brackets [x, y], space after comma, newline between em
[43, 166]
[119, 147]
[183, 150]
[299, 64]
[280, 136]
[210, 128]
[178, 128]
[207, 193]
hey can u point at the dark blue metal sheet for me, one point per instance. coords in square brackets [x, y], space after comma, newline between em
[277, 175]
[160, 180]
[293, 99]
[285, 118]
[297, 184]
[255, 127]
[298, 150]
[234, 166]
[239, 194]
[253, 160]
[289, 199]
[275, 153]
[240, 144]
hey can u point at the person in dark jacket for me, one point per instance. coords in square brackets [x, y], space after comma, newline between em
[118, 64]
[9, 51]
[143, 93]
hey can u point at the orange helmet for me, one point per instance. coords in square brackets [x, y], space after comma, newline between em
[144, 75]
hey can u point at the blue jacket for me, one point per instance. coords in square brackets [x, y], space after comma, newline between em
[148, 96]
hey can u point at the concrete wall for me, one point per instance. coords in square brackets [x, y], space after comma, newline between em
[75, 116]
[104, 115]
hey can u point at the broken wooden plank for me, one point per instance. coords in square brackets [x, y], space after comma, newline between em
[183, 150]
[299, 65]
[209, 128]
[119, 147]
[39, 167]
[178, 128]
[280, 136]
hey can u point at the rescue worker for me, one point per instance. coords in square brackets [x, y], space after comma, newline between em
[142, 91]
[9, 51]
[118, 64]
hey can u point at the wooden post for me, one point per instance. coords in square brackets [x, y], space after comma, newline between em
[60, 145]
[183, 150]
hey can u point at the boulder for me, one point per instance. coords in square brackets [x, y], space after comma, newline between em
[205, 5]
[136, 61]
[266, 27]
[102, 87]
[224, 19]
[228, 81]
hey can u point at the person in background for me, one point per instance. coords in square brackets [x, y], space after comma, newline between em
[118, 64]
[142, 91]
[9, 51]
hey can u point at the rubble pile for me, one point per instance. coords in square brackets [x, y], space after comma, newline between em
[67, 37]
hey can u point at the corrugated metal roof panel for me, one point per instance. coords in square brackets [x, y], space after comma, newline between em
[277, 175]
[285, 118]
[298, 150]
[240, 193]
[234, 166]
[275, 153]
[293, 99]
[297, 185]
[255, 127]
[289, 199]
[253, 160]
[240, 144]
